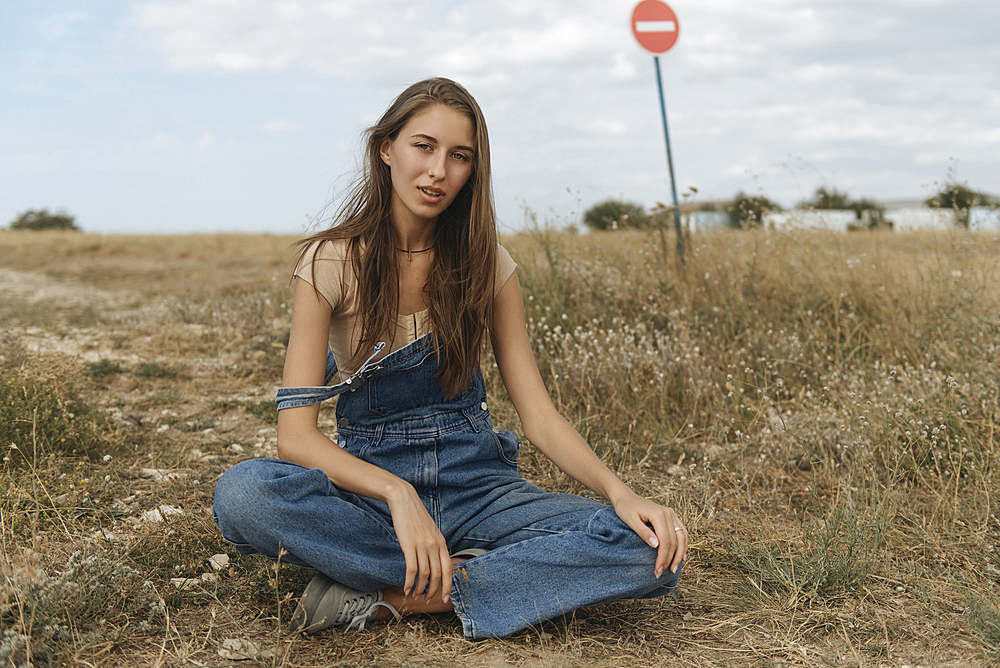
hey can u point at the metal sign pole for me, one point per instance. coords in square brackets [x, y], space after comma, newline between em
[670, 164]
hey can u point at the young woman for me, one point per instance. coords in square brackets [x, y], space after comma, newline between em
[417, 506]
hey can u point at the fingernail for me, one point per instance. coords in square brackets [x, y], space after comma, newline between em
[673, 570]
[447, 599]
[653, 542]
[658, 573]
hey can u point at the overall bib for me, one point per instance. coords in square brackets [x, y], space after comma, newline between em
[548, 553]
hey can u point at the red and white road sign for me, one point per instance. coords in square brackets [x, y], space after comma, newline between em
[655, 26]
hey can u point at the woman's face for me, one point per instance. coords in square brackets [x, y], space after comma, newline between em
[429, 160]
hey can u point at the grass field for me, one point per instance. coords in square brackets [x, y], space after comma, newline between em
[821, 409]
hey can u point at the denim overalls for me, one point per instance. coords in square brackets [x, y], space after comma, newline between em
[548, 553]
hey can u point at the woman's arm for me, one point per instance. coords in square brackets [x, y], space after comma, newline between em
[428, 565]
[560, 442]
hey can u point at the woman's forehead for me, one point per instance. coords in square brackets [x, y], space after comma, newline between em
[442, 124]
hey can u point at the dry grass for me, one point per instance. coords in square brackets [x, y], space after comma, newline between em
[822, 409]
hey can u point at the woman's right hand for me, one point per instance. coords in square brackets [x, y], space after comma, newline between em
[428, 564]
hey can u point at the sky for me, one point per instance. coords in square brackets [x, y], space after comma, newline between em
[183, 116]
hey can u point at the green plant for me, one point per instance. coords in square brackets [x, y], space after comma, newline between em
[747, 211]
[47, 613]
[834, 560]
[40, 415]
[42, 219]
[984, 618]
[960, 198]
[103, 368]
[868, 211]
[830, 198]
[156, 370]
[613, 214]
[265, 409]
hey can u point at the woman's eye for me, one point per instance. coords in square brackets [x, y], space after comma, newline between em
[423, 146]
[462, 156]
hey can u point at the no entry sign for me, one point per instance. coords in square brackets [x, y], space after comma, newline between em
[655, 26]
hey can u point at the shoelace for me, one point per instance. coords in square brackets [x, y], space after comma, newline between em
[362, 608]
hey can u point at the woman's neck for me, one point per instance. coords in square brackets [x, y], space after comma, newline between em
[415, 236]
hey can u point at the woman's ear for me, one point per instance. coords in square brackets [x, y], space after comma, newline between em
[383, 150]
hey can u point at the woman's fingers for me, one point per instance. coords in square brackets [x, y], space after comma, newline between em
[659, 527]
[422, 545]
[666, 542]
[411, 570]
[673, 546]
[434, 577]
[680, 553]
[423, 573]
[638, 524]
[445, 574]
[428, 569]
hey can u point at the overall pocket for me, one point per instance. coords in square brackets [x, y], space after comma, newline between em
[508, 446]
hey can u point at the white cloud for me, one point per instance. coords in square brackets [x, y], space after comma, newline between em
[283, 127]
[778, 95]
[378, 37]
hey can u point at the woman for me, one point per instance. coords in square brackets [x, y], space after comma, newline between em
[417, 506]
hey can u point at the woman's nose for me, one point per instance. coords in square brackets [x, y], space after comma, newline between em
[438, 166]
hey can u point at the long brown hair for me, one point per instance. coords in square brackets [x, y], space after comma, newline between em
[461, 282]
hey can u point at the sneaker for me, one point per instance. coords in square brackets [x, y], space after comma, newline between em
[326, 603]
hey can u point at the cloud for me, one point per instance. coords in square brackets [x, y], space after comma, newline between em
[846, 87]
[378, 37]
[283, 127]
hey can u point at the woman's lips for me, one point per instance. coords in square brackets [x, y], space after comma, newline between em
[432, 193]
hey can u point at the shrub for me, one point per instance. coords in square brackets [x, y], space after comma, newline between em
[157, 370]
[748, 211]
[825, 199]
[613, 214]
[75, 606]
[266, 410]
[42, 414]
[960, 198]
[42, 219]
[833, 561]
[102, 369]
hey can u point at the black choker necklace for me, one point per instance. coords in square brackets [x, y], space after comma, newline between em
[410, 253]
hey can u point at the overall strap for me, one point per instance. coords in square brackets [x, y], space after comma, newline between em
[293, 397]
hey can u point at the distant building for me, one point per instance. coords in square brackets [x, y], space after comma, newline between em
[806, 219]
[984, 219]
[703, 221]
[908, 215]
[904, 215]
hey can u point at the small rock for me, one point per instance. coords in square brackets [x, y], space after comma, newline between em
[236, 649]
[219, 561]
[157, 514]
[185, 583]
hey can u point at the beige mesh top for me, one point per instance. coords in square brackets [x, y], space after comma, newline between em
[335, 281]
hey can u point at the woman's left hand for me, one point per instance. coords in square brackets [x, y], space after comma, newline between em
[667, 535]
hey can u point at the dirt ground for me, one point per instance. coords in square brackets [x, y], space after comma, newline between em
[193, 349]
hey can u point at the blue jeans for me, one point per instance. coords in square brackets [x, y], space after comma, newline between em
[548, 553]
